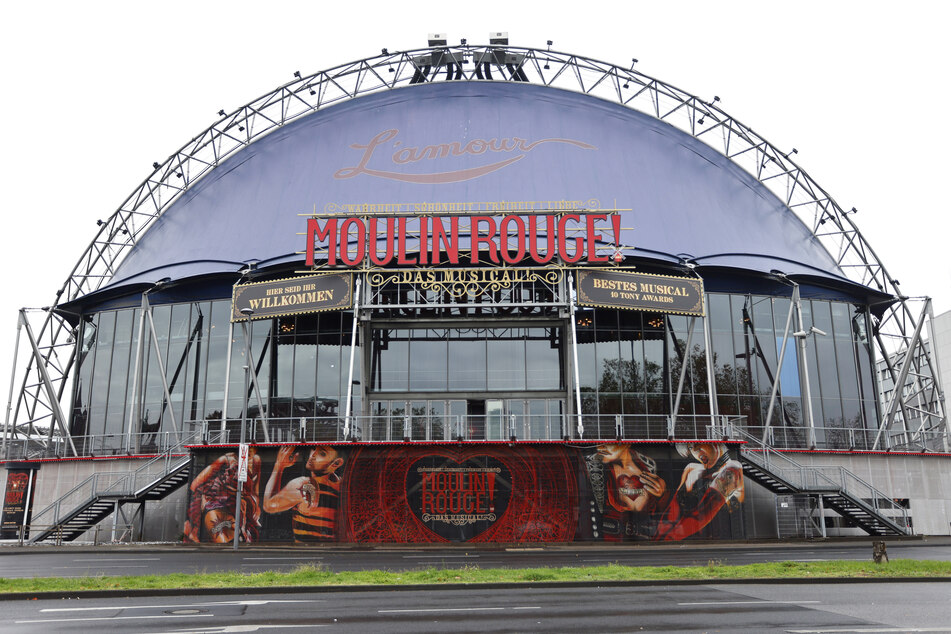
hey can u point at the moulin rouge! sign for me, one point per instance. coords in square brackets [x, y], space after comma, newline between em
[426, 240]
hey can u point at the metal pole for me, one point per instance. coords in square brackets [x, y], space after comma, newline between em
[711, 369]
[6, 422]
[161, 365]
[224, 404]
[134, 409]
[574, 351]
[27, 510]
[805, 368]
[779, 365]
[353, 350]
[247, 312]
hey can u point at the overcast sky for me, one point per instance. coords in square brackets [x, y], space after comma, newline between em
[94, 92]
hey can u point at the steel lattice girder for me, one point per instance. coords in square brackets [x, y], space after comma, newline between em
[308, 93]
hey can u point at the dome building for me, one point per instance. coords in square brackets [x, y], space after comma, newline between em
[480, 294]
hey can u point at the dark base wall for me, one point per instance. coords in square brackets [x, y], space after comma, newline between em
[487, 492]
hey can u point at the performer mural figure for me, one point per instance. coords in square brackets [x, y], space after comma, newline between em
[626, 489]
[213, 495]
[313, 497]
[706, 486]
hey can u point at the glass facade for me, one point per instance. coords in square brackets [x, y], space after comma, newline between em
[629, 363]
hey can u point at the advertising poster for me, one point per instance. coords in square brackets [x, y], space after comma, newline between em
[479, 493]
[17, 503]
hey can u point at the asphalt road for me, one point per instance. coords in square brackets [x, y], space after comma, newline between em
[798, 608]
[74, 561]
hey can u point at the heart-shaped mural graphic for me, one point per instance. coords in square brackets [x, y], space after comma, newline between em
[458, 499]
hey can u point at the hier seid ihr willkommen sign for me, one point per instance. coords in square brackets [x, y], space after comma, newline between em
[641, 291]
[292, 296]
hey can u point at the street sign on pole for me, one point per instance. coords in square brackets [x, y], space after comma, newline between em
[243, 462]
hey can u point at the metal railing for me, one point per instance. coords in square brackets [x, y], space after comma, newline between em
[442, 427]
[451, 427]
[850, 439]
[819, 479]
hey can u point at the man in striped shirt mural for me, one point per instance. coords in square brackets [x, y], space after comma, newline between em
[312, 497]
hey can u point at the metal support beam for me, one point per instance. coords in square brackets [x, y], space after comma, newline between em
[248, 329]
[906, 364]
[58, 417]
[779, 364]
[683, 371]
[161, 365]
[13, 371]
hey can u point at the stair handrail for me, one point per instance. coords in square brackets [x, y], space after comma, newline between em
[846, 483]
[119, 483]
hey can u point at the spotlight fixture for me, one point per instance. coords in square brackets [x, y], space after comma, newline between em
[221, 113]
[499, 38]
[549, 44]
[155, 165]
[178, 174]
[633, 61]
[462, 42]
[100, 222]
[297, 74]
[384, 51]
[241, 128]
[312, 91]
[715, 99]
[546, 66]
[700, 120]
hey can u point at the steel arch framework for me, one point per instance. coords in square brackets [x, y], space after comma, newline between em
[919, 405]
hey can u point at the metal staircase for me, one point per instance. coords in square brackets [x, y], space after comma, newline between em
[103, 494]
[841, 490]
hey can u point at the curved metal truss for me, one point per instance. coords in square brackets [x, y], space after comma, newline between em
[920, 406]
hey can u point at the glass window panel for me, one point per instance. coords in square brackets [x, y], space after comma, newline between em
[120, 376]
[543, 358]
[217, 343]
[100, 381]
[428, 359]
[391, 361]
[467, 359]
[505, 350]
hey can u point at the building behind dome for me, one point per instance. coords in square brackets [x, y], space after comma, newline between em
[479, 294]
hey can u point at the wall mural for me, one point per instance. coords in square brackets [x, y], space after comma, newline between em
[469, 493]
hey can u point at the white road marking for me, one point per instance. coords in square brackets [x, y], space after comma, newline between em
[441, 610]
[241, 628]
[88, 567]
[129, 559]
[748, 602]
[873, 629]
[116, 618]
[293, 558]
[440, 556]
[183, 605]
[528, 607]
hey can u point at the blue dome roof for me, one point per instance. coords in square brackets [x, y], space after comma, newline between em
[460, 142]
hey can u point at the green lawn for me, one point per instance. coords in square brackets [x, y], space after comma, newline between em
[308, 575]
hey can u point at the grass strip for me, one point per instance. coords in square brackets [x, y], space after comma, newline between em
[316, 575]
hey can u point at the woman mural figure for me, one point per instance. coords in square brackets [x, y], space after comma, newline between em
[706, 486]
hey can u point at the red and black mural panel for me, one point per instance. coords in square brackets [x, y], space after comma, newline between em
[480, 493]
